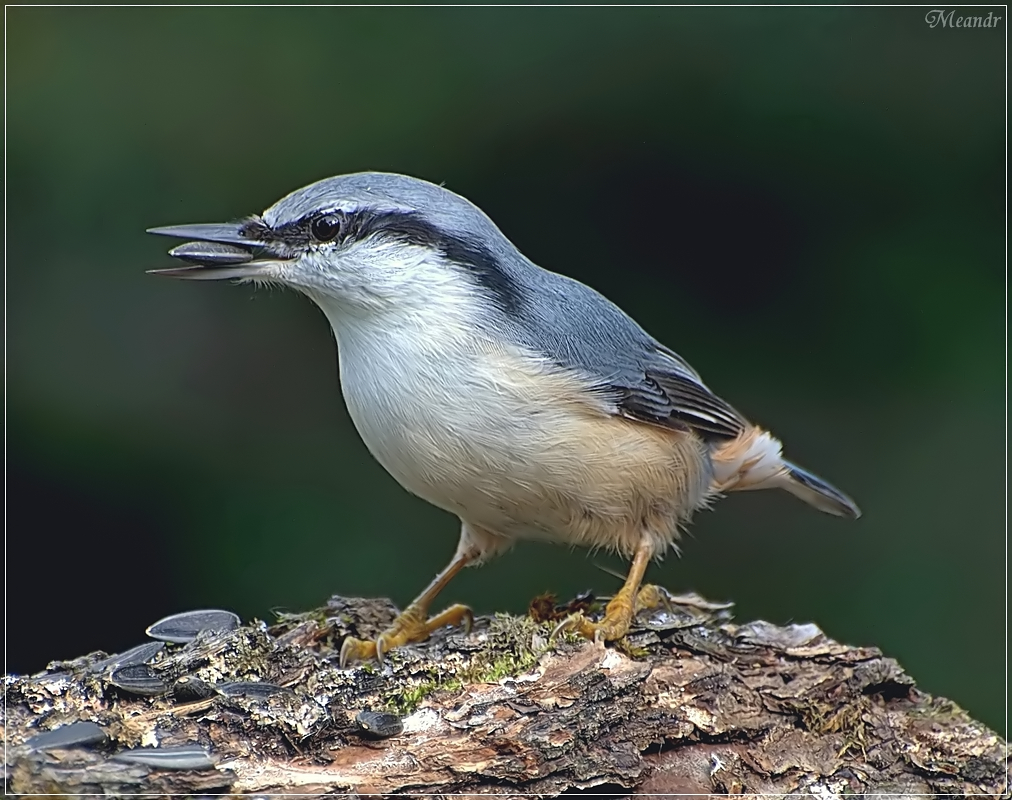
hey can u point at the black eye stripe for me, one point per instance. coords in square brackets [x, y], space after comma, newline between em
[349, 227]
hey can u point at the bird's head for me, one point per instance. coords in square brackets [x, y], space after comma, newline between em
[359, 244]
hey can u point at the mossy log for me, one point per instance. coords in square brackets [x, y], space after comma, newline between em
[689, 703]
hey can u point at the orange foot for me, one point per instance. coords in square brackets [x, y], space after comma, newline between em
[618, 615]
[410, 626]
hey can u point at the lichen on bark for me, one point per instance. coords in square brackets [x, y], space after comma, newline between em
[690, 702]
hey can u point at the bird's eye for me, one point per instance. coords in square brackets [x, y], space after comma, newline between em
[325, 229]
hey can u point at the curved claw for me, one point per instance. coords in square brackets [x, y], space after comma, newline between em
[614, 625]
[564, 625]
[577, 623]
[650, 597]
[382, 648]
[466, 620]
[353, 649]
[411, 626]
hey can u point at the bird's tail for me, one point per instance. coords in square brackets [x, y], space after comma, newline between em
[754, 461]
[817, 492]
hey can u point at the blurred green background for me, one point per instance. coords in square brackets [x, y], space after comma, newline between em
[808, 204]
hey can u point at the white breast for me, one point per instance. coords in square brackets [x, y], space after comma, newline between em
[418, 405]
[508, 441]
[429, 403]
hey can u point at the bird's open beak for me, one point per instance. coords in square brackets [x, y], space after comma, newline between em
[221, 251]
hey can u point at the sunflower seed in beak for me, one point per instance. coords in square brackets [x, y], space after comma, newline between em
[212, 254]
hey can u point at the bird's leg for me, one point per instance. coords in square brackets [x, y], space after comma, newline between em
[618, 614]
[413, 623]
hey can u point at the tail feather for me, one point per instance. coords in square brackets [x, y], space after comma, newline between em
[817, 492]
[754, 461]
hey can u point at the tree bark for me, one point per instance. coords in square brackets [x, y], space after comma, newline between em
[689, 703]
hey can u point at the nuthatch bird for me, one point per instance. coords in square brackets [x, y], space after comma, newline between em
[517, 399]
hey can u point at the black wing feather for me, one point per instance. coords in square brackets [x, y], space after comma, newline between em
[671, 394]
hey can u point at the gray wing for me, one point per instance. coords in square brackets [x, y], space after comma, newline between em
[581, 329]
[570, 323]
